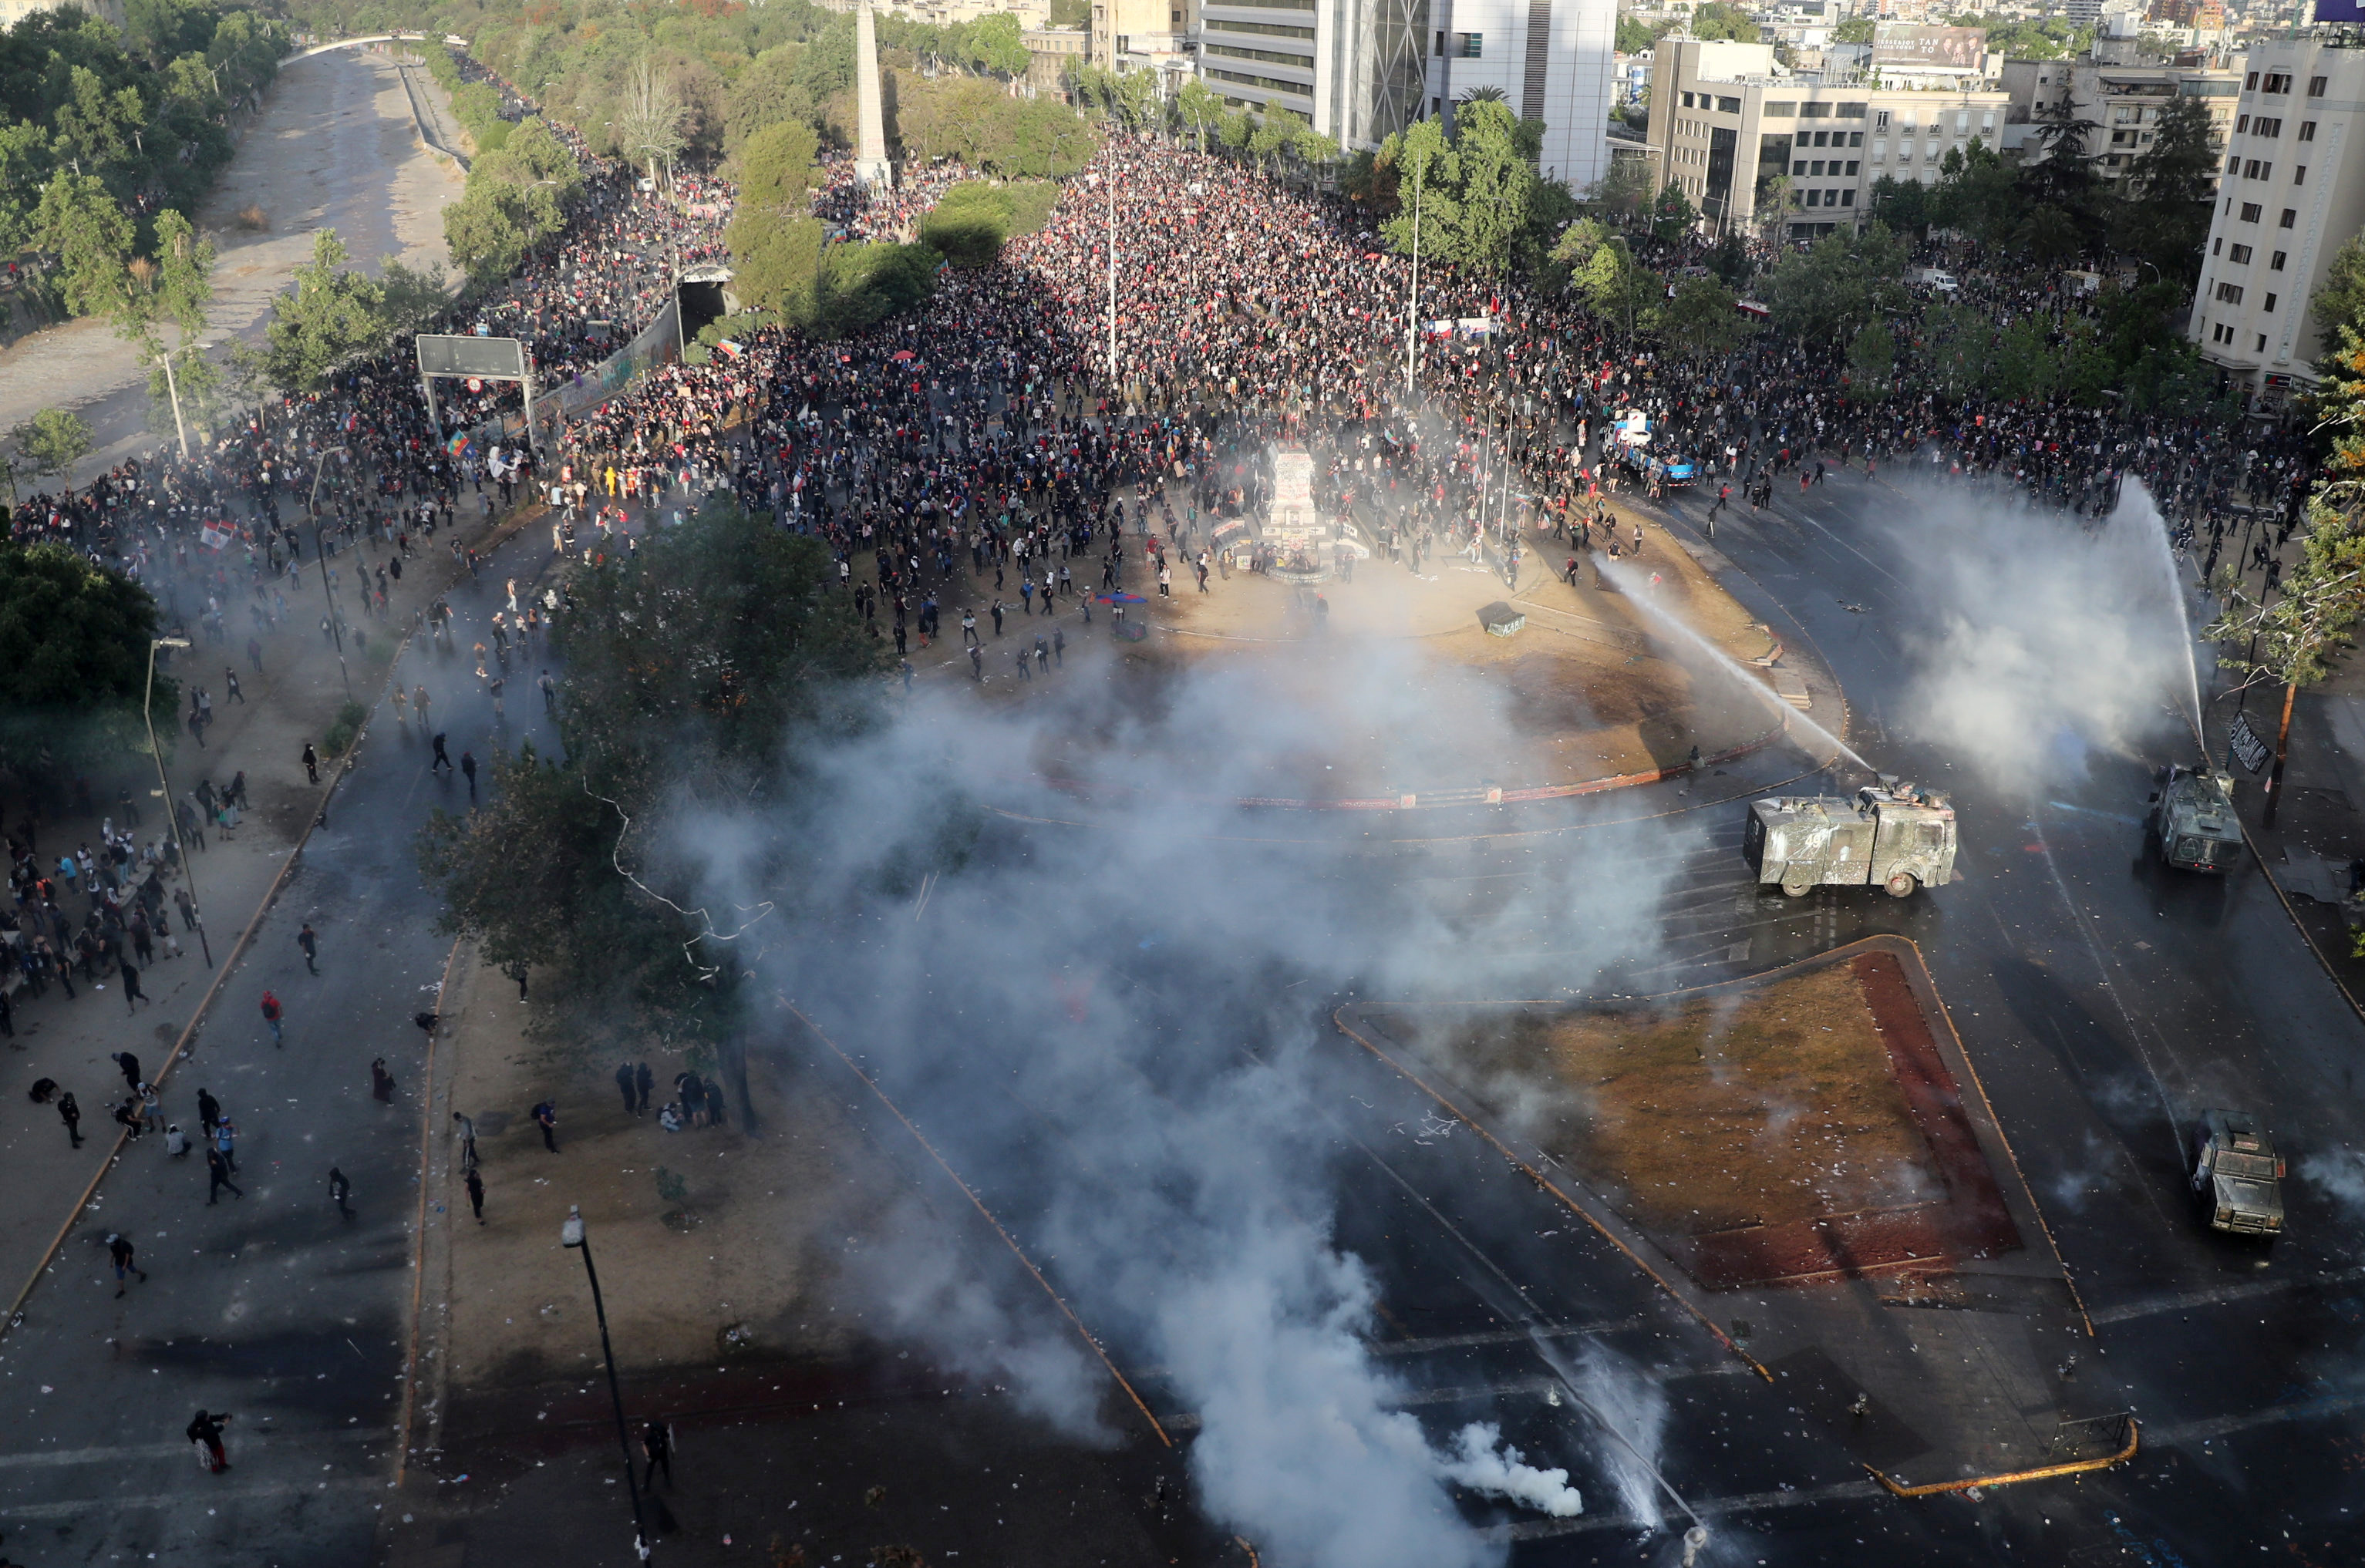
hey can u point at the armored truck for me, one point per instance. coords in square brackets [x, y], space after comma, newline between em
[2192, 820]
[2238, 1177]
[1890, 834]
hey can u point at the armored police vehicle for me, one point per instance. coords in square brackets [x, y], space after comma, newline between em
[1889, 834]
[2238, 1177]
[2192, 820]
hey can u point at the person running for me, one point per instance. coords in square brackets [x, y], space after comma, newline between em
[270, 1015]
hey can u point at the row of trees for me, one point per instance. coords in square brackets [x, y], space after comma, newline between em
[2061, 206]
[137, 109]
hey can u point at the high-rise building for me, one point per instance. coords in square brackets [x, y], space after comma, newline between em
[2292, 193]
[1360, 70]
[1551, 60]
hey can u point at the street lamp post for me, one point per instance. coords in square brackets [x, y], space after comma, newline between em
[321, 549]
[165, 789]
[1412, 296]
[572, 1235]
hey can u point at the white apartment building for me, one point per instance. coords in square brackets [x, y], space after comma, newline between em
[1552, 59]
[1725, 128]
[2292, 192]
[1363, 68]
[2124, 101]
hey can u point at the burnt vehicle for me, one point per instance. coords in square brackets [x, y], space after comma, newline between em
[2238, 1176]
[1889, 834]
[2192, 820]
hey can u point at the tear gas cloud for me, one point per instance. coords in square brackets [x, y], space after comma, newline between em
[1114, 1023]
[2038, 637]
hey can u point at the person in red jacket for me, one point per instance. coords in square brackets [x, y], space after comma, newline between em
[270, 1017]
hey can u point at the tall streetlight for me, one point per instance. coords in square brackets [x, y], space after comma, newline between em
[572, 1235]
[165, 789]
[1412, 296]
[321, 549]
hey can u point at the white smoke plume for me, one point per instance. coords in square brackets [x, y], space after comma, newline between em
[1112, 1019]
[1485, 1463]
[2048, 637]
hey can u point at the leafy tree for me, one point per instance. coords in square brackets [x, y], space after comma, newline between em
[2299, 639]
[1603, 272]
[705, 667]
[80, 222]
[52, 441]
[1856, 29]
[766, 92]
[412, 297]
[2169, 190]
[1980, 195]
[1672, 216]
[1841, 285]
[1903, 205]
[1236, 131]
[1427, 168]
[1496, 184]
[1623, 190]
[2062, 178]
[1274, 133]
[1717, 19]
[333, 314]
[95, 127]
[774, 258]
[517, 197]
[1703, 321]
[2339, 305]
[1872, 360]
[995, 44]
[776, 166]
[75, 638]
[1633, 38]
[1200, 106]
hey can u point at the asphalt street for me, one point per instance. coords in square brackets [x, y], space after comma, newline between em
[2104, 1001]
[271, 1305]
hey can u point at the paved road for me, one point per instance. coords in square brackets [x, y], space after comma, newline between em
[271, 1305]
[2102, 1001]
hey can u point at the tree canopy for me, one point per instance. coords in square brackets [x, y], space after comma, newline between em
[75, 638]
[701, 667]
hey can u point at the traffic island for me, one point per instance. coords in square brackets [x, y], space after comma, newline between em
[1395, 688]
[1782, 1128]
[1806, 1163]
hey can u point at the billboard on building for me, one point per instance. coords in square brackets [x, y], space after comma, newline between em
[1901, 43]
[2341, 10]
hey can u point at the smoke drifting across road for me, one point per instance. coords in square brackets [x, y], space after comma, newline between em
[2041, 637]
[1118, 1033]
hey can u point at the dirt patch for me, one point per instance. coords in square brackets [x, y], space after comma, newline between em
[1796, 1127]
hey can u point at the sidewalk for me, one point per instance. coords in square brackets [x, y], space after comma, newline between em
[291, 700]
[740, 1313]
[2319, 828]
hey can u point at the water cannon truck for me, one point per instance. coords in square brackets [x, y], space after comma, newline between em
[1890, 834]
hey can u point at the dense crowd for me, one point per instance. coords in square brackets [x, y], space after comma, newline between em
[997, 431]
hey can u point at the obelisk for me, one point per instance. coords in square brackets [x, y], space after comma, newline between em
[871, 165]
